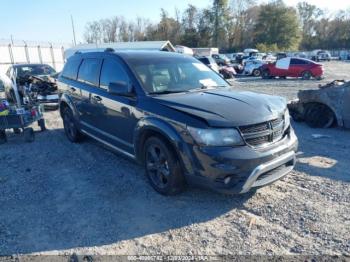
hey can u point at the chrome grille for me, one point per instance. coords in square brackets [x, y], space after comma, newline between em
[263, 133]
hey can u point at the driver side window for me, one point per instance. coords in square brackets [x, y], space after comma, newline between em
[112, 72]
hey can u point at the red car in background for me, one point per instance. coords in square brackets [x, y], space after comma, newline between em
[292, 67]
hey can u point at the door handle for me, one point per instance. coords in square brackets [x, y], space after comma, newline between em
[97, 98]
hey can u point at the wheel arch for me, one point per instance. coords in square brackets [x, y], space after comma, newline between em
[149, 127]
[65, 102]
[338, 117]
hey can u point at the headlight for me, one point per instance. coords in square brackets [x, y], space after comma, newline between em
[216, 137]
[286, 119]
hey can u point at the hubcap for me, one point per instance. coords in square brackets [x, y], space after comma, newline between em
[157, 166]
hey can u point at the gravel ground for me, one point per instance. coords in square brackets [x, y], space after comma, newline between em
[60, 198]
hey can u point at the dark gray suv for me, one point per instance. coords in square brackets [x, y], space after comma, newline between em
[178, 118]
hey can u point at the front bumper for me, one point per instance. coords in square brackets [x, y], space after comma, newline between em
[48, 99]
[238, 170]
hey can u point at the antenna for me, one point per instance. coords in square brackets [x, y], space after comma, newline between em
[73, 29]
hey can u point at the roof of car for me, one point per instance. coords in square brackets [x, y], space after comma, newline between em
[137, 54]
[24, 65]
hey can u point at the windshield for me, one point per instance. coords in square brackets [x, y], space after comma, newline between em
[35, 70]
[223, 57]
[176, 75]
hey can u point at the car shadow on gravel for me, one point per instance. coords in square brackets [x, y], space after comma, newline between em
[86, 196]
[322, 152]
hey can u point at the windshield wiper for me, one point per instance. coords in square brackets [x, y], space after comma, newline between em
[206, 87]
[167, 92]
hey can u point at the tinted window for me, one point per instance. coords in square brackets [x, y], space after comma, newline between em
[204, 61]
[298, 62]
[89, 71]
[70, 70]
[112, 72]
[164, 74]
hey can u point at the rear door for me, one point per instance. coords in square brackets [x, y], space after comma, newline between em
[298, 66]
[68, 84]
[88, 79]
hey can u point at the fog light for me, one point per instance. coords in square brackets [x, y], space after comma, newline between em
[227, 180]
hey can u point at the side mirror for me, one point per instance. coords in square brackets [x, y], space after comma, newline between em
[120, 88]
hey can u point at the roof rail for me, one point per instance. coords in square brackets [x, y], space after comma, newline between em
[108, 49]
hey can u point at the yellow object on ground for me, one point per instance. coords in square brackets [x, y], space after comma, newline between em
[4, 113]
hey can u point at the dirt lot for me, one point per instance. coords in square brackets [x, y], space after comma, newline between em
[59, 198]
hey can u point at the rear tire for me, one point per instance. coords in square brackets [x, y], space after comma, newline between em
[319, 116]
[3, 137]
[17, 131]
[42, 125]
[70, 127]
[306, 75]
[29, 136]
[162, 167]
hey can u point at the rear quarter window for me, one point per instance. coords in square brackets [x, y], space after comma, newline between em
[70, 70]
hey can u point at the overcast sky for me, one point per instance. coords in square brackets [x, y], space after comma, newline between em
[43, 20]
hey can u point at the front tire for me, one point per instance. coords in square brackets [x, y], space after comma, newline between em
[162, 167]
[3, 137]
[70, 127]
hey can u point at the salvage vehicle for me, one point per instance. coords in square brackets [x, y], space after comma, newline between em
[227, 71]
[209, 62]
[323, 107]
[20, 117]
[177, 118]
[292, 67]
[221, 59]
[37, 79]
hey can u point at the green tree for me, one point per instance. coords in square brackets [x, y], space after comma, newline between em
[190, 22]
[278, 24]
[205, 32]
[220, 18]
[308, 17]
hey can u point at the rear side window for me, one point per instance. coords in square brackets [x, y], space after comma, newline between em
[112, 72]
[298, 62]
[89, 71]
[70, 70]
[205, 61]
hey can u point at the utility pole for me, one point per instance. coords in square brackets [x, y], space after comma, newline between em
[75, 41]
[11, 39]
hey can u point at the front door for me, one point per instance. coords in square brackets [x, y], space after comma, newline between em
[113, 115]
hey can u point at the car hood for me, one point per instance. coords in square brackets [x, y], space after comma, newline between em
[226, 108]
